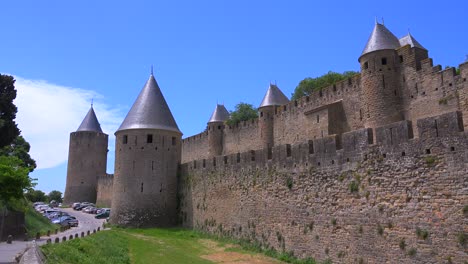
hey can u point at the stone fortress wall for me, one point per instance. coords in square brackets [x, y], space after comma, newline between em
[337, 109]
[343, 197]
[104, 190]
[372, 169]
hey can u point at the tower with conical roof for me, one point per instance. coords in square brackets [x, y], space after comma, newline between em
[274, 97]
[216, 130]
[380, 78]
[87, 160]
[147, 155]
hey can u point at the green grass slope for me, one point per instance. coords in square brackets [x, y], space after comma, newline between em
[35, 222]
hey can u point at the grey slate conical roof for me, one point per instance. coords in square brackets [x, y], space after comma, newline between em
[150, 110]
[220, 114]
[380, 39]
[274, 96]
[410, 40]
[90, 122]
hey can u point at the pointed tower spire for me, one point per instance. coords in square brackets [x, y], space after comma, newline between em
[220, 114]
[380, 39]
[410, 40]
[90, 122]
[150, 110]
[274, 96]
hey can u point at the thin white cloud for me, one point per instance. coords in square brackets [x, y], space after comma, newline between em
[47, 113]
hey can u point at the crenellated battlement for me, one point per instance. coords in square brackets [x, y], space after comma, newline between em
[341, 150]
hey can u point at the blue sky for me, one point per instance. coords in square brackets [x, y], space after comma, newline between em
[63, 53]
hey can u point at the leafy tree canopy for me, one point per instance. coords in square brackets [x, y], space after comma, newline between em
[20, 149]
[243, 112]
[308, 85]
[35, 196]
[8, 129]
[55, 195]
[14, 179]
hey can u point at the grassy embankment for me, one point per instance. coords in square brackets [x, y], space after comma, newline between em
[35, 222]
[159, 246]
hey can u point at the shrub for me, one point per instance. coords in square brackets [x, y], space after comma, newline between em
[422, 234]
[353, 187]
[412, 252]
[380, 230]
[465, 210]
[402, 244]
[430, 160]
[333, 221]
[289, 183]
[461, 237]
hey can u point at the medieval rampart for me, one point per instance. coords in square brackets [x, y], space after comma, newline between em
[346, 197]
[104, 190]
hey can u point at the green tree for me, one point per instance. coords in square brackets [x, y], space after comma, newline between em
[55, 195]
[20, 149]
[35, 196]
[14, 179]
[8, 129]
[243, 112]
[308, 85]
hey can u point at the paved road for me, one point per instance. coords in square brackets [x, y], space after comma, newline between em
[86, 222]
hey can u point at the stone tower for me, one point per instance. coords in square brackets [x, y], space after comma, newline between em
[274, 97]
[147, 156]
[87, 159]
[216, 130]
[380, 78]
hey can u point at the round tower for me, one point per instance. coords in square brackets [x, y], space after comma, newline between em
[380, 78]
[274, 97]
[147, 155]
[216, 130]
[87, 160]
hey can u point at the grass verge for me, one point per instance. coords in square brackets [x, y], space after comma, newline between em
[157, 245]
[104, 247]
[35, 222]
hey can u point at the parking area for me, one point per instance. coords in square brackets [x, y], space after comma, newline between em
[87, 222]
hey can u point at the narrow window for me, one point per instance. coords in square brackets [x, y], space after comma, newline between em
[173, 141]
[288, 150]
[318, 118]
[124, 139]
[384, 61]
[219, 127]
[436, 128]
[270, 153]
[252, 155]
[149, 138]
[261, 114]
[141, 187]
[238, 157]
[225, 160]
[152, 165]
[311, 147]
[204, 163]
[214, 162]
[401, 58]
[360, 114]
[366, 65]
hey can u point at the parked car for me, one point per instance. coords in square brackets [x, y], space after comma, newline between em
[101, 210]
[104, 214]
[69, 221]
[66, 220]
[89, 209]
[84, 205]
